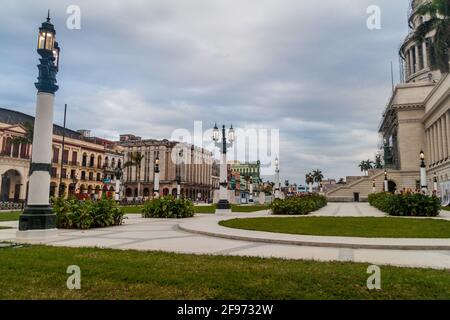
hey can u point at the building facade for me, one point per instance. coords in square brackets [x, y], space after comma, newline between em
[194, 167]
[78, 170]
[417, 118]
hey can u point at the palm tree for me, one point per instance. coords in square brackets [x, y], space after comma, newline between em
[341, 181]
[309, 178]
[369, 165]
[378, 162]
[439, 21]
[135, 161]
[317, 176]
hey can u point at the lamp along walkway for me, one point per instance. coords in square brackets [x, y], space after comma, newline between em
[189, 236]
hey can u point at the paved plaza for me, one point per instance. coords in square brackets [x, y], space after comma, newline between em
[203, 235]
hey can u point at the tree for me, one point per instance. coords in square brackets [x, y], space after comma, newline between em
[309, 178]
[341, 181]
[438, 12]
[365, 166]
[135, 161]
[317, 176]
[286, 183]
[378, 162]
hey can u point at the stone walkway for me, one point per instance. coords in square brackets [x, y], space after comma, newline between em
[166, 235]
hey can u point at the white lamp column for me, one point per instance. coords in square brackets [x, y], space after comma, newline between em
[223, 207]
[38, 222]
[423, 173]
[156, 179]
[277, 179]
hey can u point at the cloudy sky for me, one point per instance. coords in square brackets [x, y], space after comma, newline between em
[311, 69]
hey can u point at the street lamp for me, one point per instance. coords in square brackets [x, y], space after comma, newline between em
[223, 207]
[178, 168]
[386, 181]
[156, 179]
[423, 173]
[277, 179]
[310, 182]
[374, 186]
[38, 222]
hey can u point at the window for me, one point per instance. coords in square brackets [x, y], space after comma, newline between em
[65, 158]
[55, 155]
[74, 158]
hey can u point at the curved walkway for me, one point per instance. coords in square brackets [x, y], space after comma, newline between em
[166, 235]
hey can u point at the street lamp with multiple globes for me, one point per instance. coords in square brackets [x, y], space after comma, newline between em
[423, 173]
[38, 220]
[223, 207]
[156, 179]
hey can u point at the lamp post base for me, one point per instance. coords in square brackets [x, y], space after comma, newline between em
[223, 208]
[37, 218]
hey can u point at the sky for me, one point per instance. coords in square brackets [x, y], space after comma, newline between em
[310, 69]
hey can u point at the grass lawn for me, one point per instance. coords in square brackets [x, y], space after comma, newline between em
[347, 227]
[40, 273]
[132, 209]
[446, 208]
[10, 216]
[234, 208]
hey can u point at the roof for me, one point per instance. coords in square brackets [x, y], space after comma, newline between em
[15, 117]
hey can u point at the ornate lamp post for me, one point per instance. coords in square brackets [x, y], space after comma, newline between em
[435, 183]
[179, 162]
[277, 179]
[374, 186]
[386, 182]
[310, 182]
[38, 220]
[223, 207]
[423, 173]
[156, 179]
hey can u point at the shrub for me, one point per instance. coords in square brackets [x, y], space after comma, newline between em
[406, 205]
[299, 205]
[168, 207]
[73, 214]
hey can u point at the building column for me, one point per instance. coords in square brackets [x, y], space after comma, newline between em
[416, 50]
[447, 116]
[425, 54]
[445, 136]
[411, 65]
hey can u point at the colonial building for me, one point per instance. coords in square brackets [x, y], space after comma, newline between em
[194, 167]
[78, 170]
[416, 118]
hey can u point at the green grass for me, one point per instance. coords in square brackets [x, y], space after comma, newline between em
[445, 208]
[40, 273]
[132, 209]
[10, 216]
[234, 208]
[347, 227]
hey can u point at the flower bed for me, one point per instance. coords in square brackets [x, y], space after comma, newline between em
[168, 207]
[299, 205]
[407, 205]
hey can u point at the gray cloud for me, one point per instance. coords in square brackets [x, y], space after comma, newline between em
[309, 68]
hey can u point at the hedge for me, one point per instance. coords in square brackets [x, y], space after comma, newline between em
[298, 205]
[168, 207]
[75, 214]
[406, 205]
